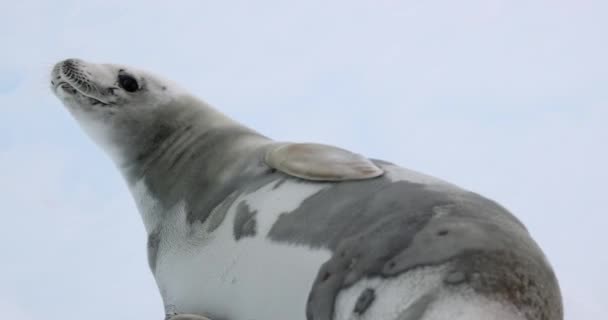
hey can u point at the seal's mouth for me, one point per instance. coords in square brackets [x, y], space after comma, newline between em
[73, 90]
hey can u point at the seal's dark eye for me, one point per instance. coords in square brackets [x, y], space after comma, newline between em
[128, 83]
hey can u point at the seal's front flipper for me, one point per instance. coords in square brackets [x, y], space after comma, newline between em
[319, 162]
[188, 317]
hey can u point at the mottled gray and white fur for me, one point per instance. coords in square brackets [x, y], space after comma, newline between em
[231, 238]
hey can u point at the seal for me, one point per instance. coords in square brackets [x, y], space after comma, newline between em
[243, 227]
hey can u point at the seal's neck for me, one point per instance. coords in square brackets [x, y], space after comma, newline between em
[187, 154]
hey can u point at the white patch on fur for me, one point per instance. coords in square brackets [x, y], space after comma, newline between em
[254, 278]
[147, 206]
[273, 202]
[467, 305]
[394, 296]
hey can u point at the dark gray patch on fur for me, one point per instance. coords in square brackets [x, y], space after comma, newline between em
[157, 138]
[181, 162]
[153, 243]
[244, 221]
[379, 228]
[383, 217]
[417, 309]
[364, 301]
[455, 277]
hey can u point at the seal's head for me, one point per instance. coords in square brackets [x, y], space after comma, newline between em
[111, 101]
[132, 114]
[99, 88]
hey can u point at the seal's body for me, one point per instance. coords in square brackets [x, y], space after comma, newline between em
[241, 227]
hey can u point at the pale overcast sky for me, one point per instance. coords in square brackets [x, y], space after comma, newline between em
[505, 98]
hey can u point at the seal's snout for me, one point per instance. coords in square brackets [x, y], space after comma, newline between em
[72, 68]
[77, 78]
[67, 66]
[71, 61]
[70, 65]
